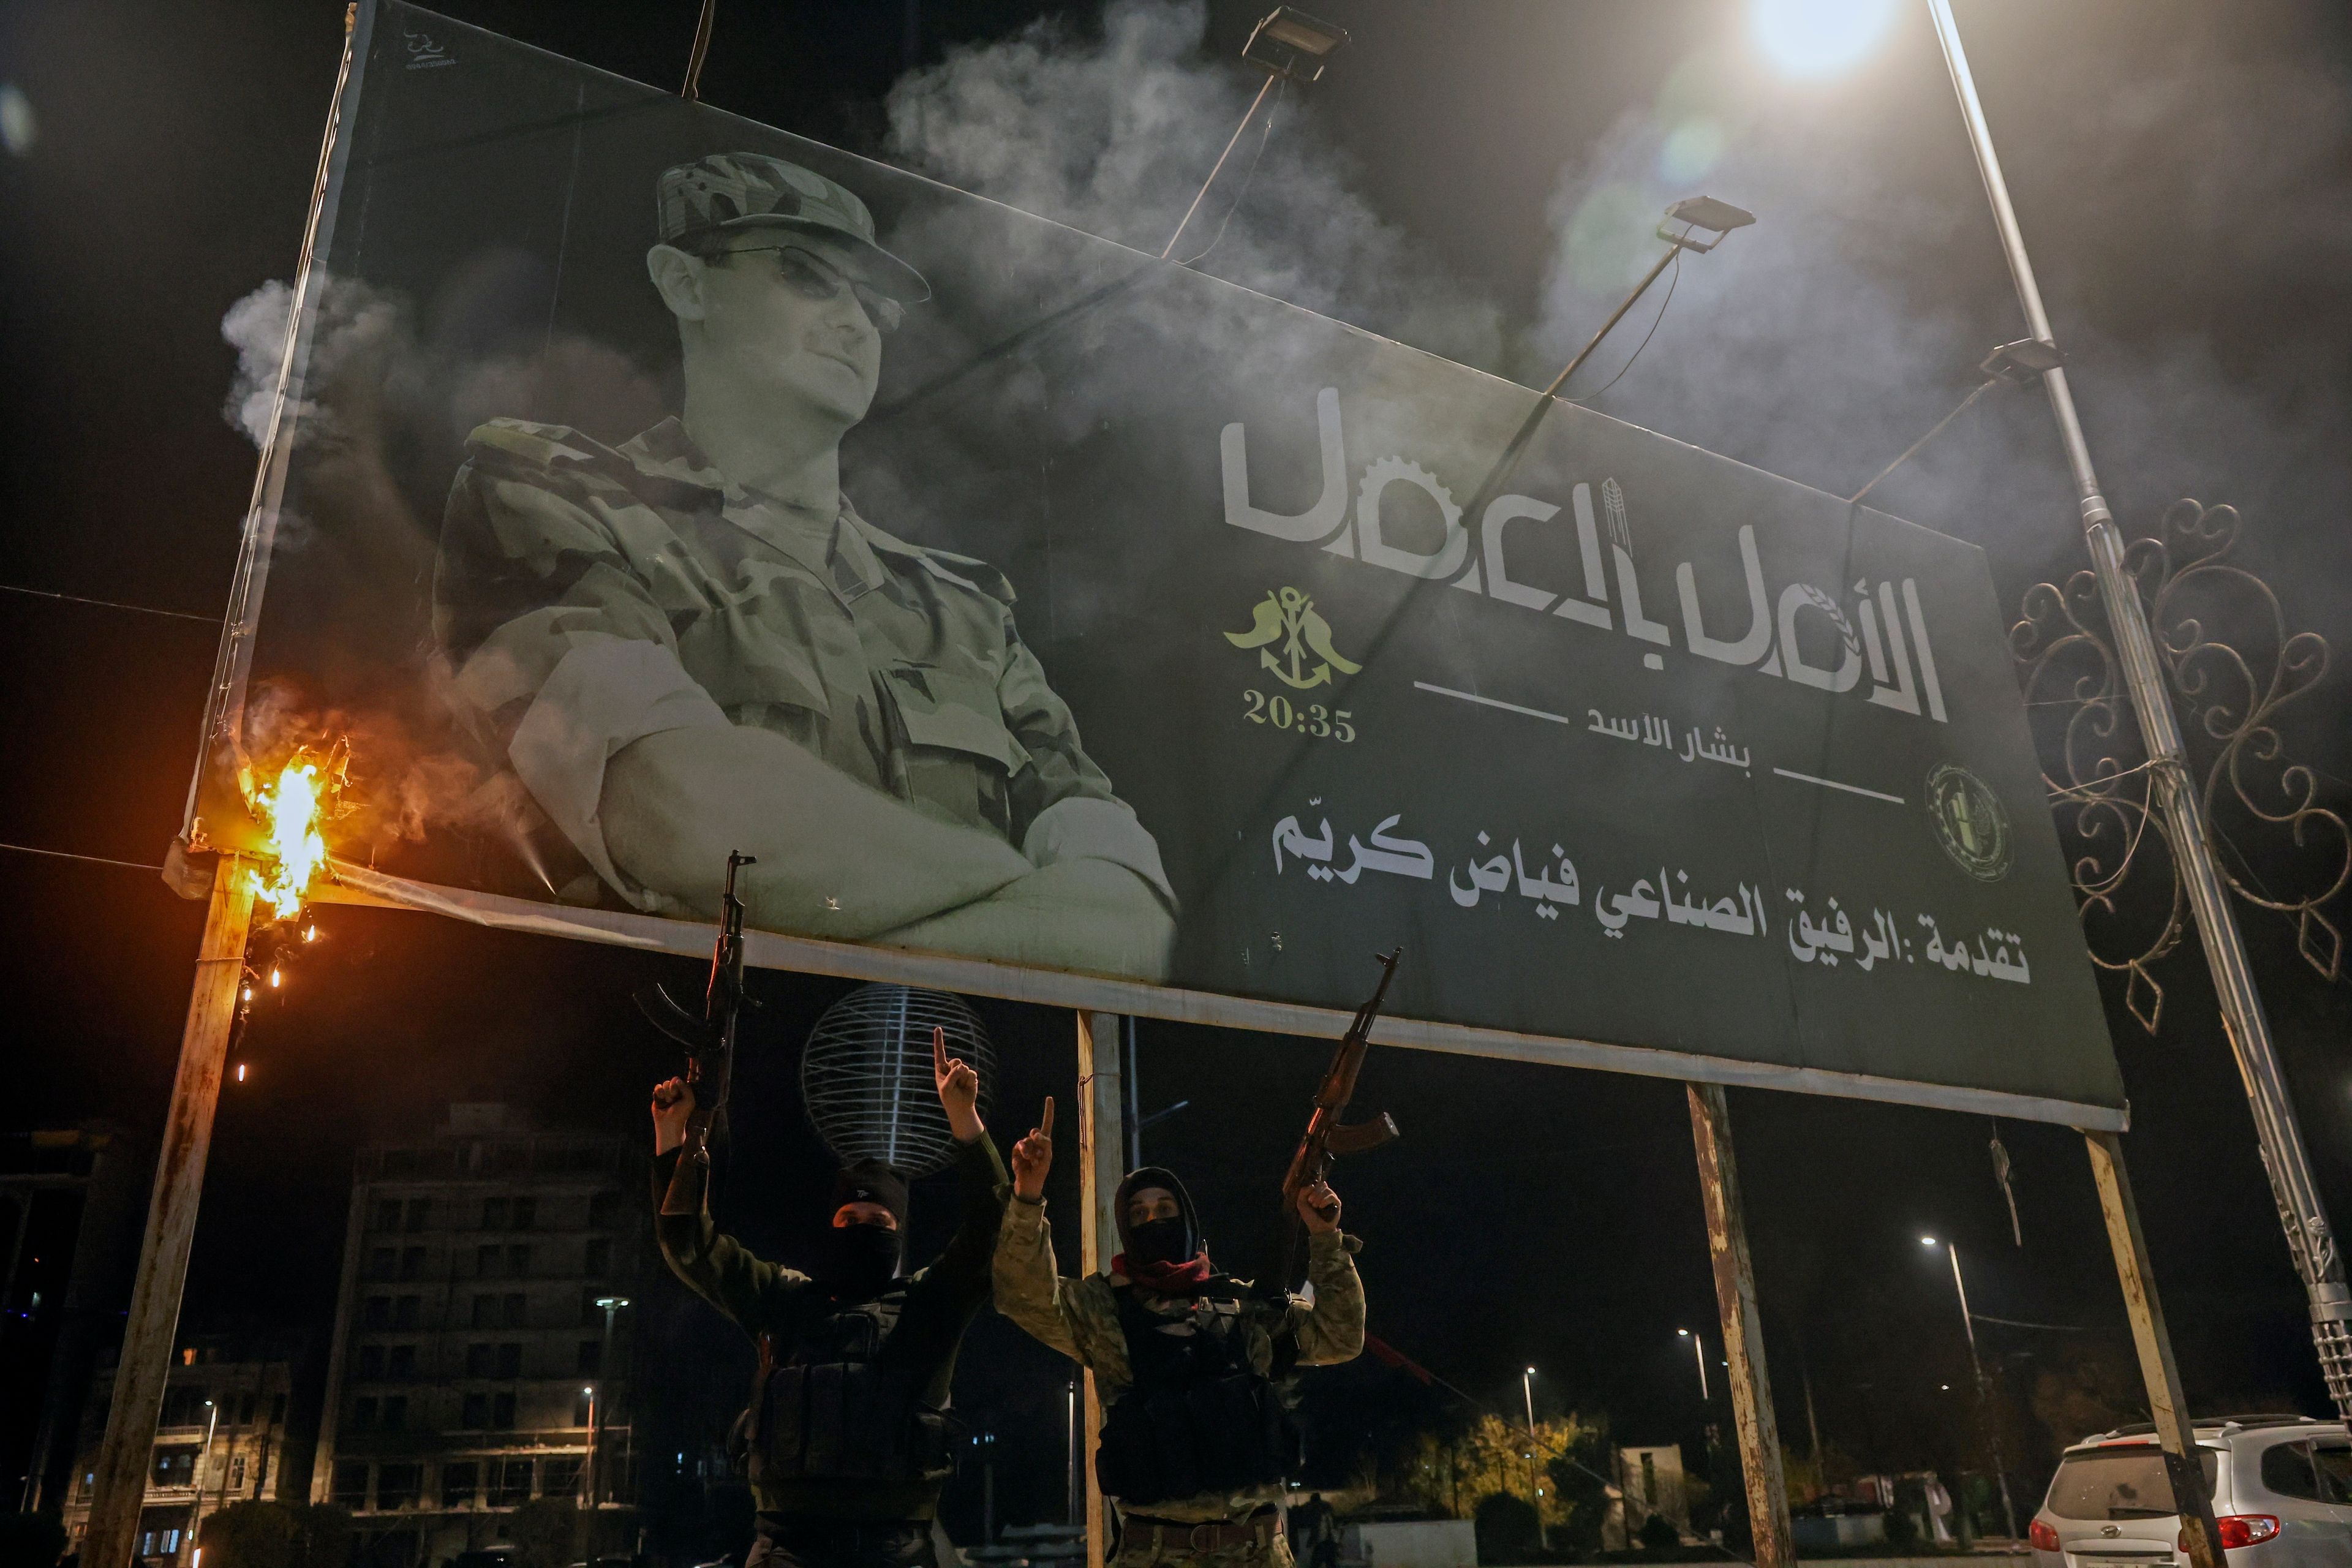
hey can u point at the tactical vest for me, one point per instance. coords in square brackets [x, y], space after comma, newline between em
[1198, 1417]
[830, 1403]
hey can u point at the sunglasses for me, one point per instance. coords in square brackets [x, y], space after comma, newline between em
[812, 277]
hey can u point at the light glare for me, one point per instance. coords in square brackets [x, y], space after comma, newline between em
[1815, 37]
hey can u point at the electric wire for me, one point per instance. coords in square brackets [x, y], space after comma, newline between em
[106, 604]
[1660, 317]
[1198, 196]
[70, 855]
[1264, 133]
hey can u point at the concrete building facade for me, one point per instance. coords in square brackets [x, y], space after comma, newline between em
[223, 1439]
[482, 1349]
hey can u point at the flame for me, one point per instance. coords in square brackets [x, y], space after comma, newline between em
[290, 810]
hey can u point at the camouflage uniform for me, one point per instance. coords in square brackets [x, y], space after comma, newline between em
[587, 596]
[1080, 1319]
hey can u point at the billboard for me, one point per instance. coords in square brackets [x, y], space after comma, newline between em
[1054, 622]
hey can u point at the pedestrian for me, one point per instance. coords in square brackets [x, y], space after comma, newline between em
[851, 1479]
[1196, 1440]
[1315, 1529]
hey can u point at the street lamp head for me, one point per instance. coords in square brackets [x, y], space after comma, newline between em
[1531, 1372]
[1926, 1241]
[1818, 37]
[1684, 1332]
[1702, 214]
[609, 1302]
[1288, 42]
[2023, 362]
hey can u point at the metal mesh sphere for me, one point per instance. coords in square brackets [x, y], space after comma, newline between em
[866, 1075]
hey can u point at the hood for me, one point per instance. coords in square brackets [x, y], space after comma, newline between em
[1158, 1176]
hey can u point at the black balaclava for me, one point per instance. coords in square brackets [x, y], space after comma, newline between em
[861, 1260]
[1159, 1241]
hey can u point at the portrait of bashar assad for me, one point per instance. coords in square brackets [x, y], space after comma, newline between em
[693, 643]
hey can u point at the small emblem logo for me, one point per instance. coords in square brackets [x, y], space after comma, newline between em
[424, 52]
[1970, 822]
[2111, 1531]
[1306, 658]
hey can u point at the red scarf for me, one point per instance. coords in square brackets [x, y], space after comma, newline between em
[1168, 1278]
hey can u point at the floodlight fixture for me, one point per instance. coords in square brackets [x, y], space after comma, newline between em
[2023, 362]
[1701, 213]
[1290, 46]
[2020, 363]
[1289, 43]
[1697, 215]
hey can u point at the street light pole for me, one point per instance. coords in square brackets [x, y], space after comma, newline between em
[610, 1304]
[1984, 1404]
[588, 1473]
[1528, 1387]
[1699, 1350]
[2308, 1236]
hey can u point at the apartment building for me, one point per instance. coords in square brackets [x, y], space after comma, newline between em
[223, 1439]
[481, 1356]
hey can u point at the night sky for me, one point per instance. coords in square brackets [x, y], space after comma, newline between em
[1532, 1215]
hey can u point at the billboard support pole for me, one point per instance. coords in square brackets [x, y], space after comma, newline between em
[2174, 1428]
[1743, 1329]
[153, 1320]
[1100, 1144]
[2293, 1189]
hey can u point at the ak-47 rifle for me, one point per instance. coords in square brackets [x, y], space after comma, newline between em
[709, 1041]
[1327, 1136]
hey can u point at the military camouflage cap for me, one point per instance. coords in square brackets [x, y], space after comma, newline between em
[727, 192]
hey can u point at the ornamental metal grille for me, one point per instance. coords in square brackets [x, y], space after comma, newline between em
[866, 1075]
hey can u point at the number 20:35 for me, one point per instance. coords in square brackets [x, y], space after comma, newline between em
[1313, 719]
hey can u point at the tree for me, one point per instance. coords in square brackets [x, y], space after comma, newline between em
[1580, 1476]
[31, 1540]
[1455, 1476]
[263, 1534]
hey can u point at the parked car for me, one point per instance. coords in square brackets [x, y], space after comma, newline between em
[2282, 1491]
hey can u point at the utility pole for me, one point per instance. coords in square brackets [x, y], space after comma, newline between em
[153, 1322]
[1984, 1392]
[1743, 1328]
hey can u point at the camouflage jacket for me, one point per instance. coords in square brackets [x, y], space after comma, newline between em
[1080, 1319]
[587, 596]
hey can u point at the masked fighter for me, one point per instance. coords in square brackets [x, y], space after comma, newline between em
[1196, 1443]
[850, 1479]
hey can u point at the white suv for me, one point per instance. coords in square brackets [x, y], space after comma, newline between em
[2282, 1488]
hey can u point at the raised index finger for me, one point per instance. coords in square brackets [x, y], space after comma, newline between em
[939, 1048]
[1046, 1121]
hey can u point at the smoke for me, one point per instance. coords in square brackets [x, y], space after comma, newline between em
[387, 396]
[1114, 134]
[352, 322]
[1826, 339]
